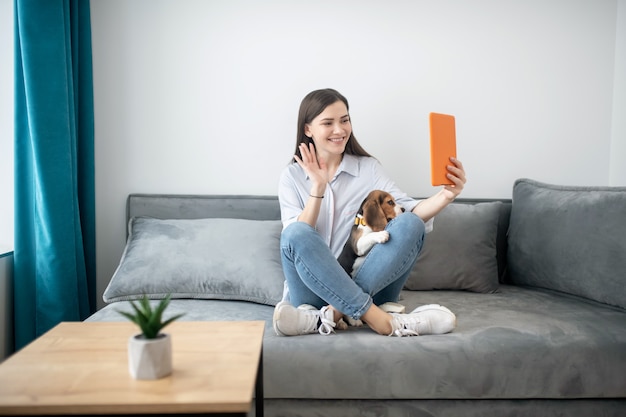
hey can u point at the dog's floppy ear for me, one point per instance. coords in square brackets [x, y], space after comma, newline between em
[374, 215]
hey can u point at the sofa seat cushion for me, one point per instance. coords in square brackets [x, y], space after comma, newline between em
[515, 344]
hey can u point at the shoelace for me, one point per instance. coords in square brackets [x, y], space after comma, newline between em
[400, 327]
[326, 326]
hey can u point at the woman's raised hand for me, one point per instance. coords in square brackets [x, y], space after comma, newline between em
[314, 167]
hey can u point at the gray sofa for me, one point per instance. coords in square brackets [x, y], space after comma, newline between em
[538, 284]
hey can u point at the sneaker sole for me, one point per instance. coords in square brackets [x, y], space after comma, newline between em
[392, 307]
[275, 317]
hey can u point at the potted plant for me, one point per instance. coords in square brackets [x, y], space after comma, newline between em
[150, 352]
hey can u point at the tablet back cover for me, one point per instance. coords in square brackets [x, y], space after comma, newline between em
[442, 146]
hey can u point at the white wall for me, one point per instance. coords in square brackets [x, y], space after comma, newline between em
[6, 126]
[618, 142]
[6, 178]
[202, 96]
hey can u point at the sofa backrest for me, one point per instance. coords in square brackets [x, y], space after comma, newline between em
[175, 206]
[569, 239]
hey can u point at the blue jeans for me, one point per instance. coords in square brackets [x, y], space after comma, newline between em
[315, 277]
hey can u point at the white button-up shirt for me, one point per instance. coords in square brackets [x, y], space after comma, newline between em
[355, 178]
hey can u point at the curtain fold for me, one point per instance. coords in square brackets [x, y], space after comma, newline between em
[54, 256]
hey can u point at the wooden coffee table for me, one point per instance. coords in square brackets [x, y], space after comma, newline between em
[82, 369]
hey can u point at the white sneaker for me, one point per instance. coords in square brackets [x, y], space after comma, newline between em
[306, 319]
[427, 319]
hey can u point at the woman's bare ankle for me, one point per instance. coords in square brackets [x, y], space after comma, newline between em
[378, 320]
[337, 315]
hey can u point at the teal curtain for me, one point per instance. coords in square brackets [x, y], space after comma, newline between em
[54, 256]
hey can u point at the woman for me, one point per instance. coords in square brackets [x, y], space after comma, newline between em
[319, 194]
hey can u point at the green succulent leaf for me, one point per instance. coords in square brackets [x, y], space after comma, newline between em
[150, 320]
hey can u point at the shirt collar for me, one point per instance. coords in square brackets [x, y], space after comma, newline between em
[349, 165]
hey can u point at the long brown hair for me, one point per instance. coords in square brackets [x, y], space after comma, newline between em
[312, 105]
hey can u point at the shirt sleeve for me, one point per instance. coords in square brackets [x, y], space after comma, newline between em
[289, 197]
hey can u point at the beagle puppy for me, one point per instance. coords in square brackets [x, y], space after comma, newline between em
[378, 208]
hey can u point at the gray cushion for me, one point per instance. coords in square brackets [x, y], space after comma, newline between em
[569, 239]
[460, 252]
[232, 259]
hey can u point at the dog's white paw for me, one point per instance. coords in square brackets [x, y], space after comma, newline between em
[381, 237]
[352, 322]
[341, 325]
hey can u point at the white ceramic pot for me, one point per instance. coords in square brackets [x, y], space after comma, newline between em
[150, 358]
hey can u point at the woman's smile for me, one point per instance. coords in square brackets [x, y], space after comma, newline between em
[337, 140]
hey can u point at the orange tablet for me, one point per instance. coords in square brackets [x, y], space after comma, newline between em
[442, 147]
